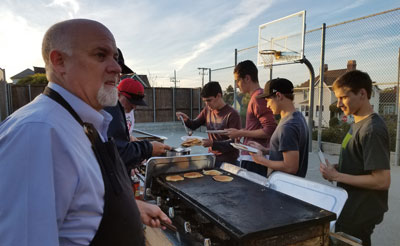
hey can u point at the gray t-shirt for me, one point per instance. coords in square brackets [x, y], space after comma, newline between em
[364, 148]
[291, 134]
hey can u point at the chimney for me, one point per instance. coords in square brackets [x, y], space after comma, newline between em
[351, 65]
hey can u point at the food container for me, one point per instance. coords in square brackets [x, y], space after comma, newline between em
[178, 152]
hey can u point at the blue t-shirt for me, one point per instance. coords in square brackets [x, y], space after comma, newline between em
[291, 134]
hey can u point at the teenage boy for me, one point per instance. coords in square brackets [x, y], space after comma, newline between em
[260, 122]
[364, 162]
[289, 143]
[217, 115]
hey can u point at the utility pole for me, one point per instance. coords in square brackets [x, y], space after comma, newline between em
[202, 73]
[173, 79]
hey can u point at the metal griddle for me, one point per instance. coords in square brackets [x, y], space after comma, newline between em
[246, 209]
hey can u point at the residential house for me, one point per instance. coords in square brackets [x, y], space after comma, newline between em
[387, 101]
[301, 96]
[21, 75]
[142, 78]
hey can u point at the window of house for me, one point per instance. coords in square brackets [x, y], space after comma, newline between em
[388, 109]
[305, 95]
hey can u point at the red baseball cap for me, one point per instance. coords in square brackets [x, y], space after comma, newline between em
[133, 90]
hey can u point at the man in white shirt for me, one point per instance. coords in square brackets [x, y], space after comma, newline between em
[55, 188]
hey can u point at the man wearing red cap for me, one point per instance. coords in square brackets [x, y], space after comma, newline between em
[131, 93]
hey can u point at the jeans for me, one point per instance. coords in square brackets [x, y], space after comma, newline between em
[362, 232]
[254, 167]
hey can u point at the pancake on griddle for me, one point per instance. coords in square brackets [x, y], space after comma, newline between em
[192, 175]
[222, 178]
[211, 172]
[174, 178]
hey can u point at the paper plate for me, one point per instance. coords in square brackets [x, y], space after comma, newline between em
[217, 131]
[244, 147]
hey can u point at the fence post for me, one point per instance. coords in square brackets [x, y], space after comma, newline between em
[9, 102]
[199, 100]
[397, 153]
[321, 84]
[154, 104]
[234, 84]
[209, 75]
[191, 103]
[29, 92]
[173, 104]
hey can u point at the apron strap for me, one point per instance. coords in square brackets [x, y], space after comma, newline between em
[58, 98]
[102, 153]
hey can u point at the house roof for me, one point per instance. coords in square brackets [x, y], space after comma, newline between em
[304, 102]
[23, 74]
[39, 70]
[329, 77]
[142, 78]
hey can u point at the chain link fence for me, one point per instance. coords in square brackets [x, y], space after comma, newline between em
[370, 44]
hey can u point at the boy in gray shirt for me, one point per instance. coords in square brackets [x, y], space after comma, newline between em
[289, 143]
[364, 163]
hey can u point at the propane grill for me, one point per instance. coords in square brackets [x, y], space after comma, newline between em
[240, 212]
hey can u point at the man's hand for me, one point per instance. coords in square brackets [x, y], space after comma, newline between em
[207, 142]
[328, 171]
[159, 148]
[151, 215]
[184, 116]
[258, 146]
[258, 157]
[132, 138]
[233, 133]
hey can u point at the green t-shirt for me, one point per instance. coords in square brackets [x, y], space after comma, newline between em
[365, 148]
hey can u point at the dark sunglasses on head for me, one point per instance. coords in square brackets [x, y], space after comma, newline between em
[133, 96]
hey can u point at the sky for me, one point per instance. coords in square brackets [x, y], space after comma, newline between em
[158, 37]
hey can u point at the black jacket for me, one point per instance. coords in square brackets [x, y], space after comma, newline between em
[132, 153]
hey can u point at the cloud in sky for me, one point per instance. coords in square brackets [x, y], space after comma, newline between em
[15, 50]
[71, 6]
[159, 36]
[242, 15]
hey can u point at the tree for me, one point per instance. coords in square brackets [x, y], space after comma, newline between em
[35, 79]
[228, 95]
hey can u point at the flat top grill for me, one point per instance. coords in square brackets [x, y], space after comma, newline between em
[244, 208]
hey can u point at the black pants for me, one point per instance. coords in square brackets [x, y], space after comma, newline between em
[362, 232]
[254, 167]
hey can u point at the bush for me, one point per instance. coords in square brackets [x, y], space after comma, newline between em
[334, 122]
[36, 79]
[334, 134]
[391, 123]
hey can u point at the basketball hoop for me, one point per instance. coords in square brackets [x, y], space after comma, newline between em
[268, 56]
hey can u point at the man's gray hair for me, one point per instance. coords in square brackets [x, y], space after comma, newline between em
[57, 37]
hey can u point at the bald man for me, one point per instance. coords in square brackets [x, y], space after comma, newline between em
[62, 181]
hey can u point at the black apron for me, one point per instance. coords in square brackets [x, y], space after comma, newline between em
[121, 224]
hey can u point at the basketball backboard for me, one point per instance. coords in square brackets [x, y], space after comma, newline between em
[281, 41]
